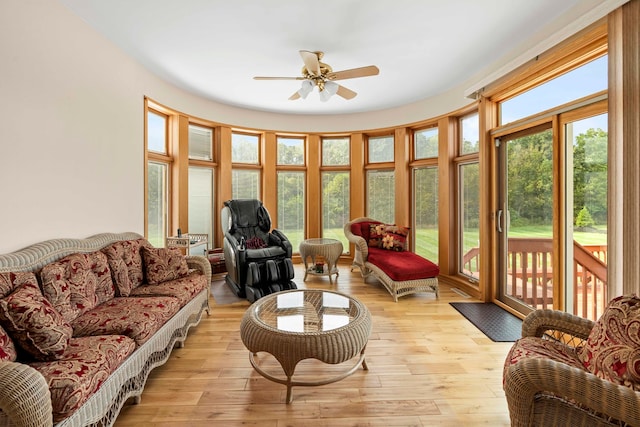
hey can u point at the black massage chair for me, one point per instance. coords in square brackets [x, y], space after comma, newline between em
[258, 259]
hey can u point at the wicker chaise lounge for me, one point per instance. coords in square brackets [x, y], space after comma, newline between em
[400, 271]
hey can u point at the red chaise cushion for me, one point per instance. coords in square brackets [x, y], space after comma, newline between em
[402, 266]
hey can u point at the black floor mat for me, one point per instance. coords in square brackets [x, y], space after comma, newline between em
[496, 323]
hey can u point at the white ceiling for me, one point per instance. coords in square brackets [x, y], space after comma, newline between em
[422, 47]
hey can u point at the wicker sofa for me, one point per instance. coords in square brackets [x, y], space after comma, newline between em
[571, 371]
[385, 256]
[84, 321]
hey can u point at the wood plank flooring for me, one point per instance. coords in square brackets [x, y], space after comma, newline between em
[428, 366]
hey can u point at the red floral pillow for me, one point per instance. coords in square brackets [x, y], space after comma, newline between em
[7, 349]
[255, 243]
[34, 324]
[394, 238]
[163, 264]
[376, 232]
[612, 351]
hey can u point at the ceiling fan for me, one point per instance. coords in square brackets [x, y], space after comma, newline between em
[316, 73]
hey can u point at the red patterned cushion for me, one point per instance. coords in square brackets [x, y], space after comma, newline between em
[612, 351]
[394, 238]
[184, 289]
[376, 232]
[402, 266]
[8, 282]
[255, 243]
[162, 264]
[136, 317]
[125, 261]
[7, 349]
[529, 347]
[11, 281]
[85, 365]
[35, 325]
[77, 283]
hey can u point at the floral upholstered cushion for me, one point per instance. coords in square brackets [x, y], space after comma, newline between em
[394, 238]
[7, 348]
[125, 261]
[162, 264]
[33, 322]
[85, 364]
[612, 350]
[255, 243]
[136, 317]
[376, 232]
[184, 289]
[77, 283]
[9, 282]
[532, 347]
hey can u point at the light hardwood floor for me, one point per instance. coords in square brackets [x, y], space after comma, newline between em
[428, 366]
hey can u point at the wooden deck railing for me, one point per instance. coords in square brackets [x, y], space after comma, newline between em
[530, 274]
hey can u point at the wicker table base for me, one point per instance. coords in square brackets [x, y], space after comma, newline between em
[329, 249]
[305, 324]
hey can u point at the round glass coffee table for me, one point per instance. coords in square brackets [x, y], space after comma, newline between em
[304, 324]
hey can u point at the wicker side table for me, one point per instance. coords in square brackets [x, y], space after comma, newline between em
[305, 324]
[329, 249]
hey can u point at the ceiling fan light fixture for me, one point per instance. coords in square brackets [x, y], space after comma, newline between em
[330, 89]
[305, 89]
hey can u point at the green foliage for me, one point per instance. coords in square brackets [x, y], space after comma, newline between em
[584, 218]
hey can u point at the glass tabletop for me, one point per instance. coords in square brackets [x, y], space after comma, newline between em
[306, 310]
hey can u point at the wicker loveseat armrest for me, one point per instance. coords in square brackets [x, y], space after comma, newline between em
[538, 322]
[24, 396]
[531, 377]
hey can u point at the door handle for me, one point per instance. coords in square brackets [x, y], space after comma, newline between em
[499, 220]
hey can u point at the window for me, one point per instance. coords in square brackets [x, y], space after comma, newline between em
[245, 148]
[291, 202]
[291, 174]
[245, 175]
[469, 202]
[200, 143]
[157, 178]
[335, 151]
[380, 149]
[381, 193]
[470, 134]
[425, 144]
[245, 184]
[425, 199]
[585, 80]
[381, 180]
[201, 187]
[156, 132]
[290, 151]
[468, 173]
[157, 203]
[335, 177]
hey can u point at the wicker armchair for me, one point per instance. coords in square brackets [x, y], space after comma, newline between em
[546, 383]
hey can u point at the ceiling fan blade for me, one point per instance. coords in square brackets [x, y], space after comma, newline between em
[371, 70]
[345, 93]
[278, 78]
[311, 62]
[295, 96]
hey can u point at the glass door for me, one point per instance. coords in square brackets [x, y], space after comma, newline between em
[525, 218]
[586, 195]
